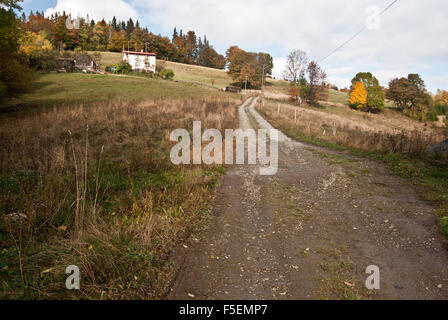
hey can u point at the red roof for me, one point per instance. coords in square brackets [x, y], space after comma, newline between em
[140, 53]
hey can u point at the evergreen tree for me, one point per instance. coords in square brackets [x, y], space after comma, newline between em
[130, 26]
[175, 34]
[114, 23]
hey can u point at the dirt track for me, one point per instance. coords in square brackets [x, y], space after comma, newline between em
[310, 231]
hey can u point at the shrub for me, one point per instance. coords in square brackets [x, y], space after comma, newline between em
[441, 109]
[432, 116]
[443, 224]
[167, 74]
[122, 67]
[44, 61]
[15, 75]
[293, 92]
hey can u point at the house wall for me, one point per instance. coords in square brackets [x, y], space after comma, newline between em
[141, 62]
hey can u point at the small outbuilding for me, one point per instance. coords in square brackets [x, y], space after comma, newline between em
[84, 63]
[233, 89]
[65, 64]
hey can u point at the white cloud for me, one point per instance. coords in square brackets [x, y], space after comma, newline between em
[439, 82]
[410, 37]
[279, 66]
[96, 9]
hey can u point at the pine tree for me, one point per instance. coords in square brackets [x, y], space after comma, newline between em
[175, 34]
[114, 23]
[130, 26]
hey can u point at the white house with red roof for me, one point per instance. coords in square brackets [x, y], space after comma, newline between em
[140, 61]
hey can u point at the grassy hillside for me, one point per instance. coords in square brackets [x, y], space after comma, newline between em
[92, 184]
[337, 96]
[191, 73]
[342, 97]
[52, 89]
[183, 72]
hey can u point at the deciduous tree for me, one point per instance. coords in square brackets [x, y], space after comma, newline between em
[296, 63]
[14, 74]
[375, 94]
[441, 97]
[407, 93]
[358, 96]
[316, 77]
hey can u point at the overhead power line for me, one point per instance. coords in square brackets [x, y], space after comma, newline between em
[355, 35]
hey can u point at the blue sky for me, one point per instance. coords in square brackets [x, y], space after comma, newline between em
[409, 38]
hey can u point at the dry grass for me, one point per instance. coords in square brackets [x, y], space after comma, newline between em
[93, 186]
[184, 72]
[393, 138]
[367, 132]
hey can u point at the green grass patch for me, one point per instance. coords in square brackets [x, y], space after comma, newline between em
[78, 88]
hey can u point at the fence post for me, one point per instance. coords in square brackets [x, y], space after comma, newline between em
[334, 129]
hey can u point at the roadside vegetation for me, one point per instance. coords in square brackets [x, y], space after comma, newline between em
[93, 186]
[395, 139]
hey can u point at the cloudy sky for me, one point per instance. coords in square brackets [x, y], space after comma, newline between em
[409, 38]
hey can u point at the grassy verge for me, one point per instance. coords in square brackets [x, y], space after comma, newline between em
[93, 186]
[428, 175]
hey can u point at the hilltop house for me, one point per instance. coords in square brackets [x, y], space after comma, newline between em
[140, 61]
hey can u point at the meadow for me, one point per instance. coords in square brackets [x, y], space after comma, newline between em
[86, 180]
[77, 88]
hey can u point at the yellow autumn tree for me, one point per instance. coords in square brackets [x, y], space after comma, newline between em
[32, 42]
[358, 96]
[441, 96]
